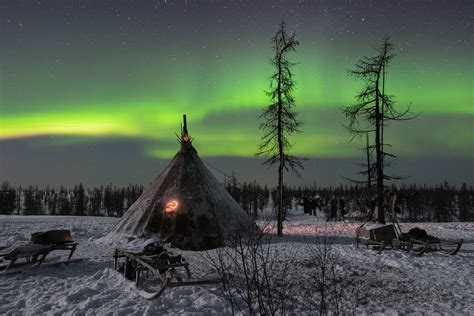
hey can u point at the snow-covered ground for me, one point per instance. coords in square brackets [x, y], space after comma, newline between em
[393, 282]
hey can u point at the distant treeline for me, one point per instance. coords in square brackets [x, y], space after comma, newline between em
[99, 201]
[439, 203]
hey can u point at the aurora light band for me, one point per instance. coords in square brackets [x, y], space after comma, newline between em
[87, 72]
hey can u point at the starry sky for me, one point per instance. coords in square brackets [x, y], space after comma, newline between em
[93, 91]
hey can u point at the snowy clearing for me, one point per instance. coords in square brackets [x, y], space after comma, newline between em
[394, 282]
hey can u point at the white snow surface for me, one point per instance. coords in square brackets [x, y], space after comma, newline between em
[393, 282]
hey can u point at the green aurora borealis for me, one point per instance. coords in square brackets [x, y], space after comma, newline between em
[83, 72]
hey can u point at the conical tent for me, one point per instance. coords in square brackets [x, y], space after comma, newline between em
[185, 205]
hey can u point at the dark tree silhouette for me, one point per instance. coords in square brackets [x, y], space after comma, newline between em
[232, 186]
[96, 200]
[30, 205]
[65, 207]
[7, 199]
[373, 110]
[79, 200]
[465, 203]
[279, 118]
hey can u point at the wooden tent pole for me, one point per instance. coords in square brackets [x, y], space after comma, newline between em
[185, 125]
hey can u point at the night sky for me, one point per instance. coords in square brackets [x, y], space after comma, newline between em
[93, 91]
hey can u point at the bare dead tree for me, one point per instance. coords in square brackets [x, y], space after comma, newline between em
[369, 172]
[279, 118]
[327, 278]
[326, 285]
[254, 277]
[368, 168]
[373, 110]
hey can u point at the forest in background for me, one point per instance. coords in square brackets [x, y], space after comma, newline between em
[439, 203]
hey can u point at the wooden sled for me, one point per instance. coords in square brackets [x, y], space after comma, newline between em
[35, 252]
[154, 272]
[376, 236]
[416, 240]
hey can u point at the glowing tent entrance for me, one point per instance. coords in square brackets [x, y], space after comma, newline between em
[185, 205]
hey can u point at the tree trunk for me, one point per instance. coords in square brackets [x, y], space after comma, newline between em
[280, 150]
[280, 198]
[378, 151]
[369, 176]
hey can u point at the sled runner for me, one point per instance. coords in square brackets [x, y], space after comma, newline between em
[55, 262]
[154, 270]
[35, 252]
[418, 241]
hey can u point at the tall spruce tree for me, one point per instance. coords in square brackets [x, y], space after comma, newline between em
[373, 110]
[30, 207]
[279, 120]
[79, 200]
[7, 199]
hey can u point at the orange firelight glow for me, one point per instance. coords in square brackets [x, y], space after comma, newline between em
[171, 206]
